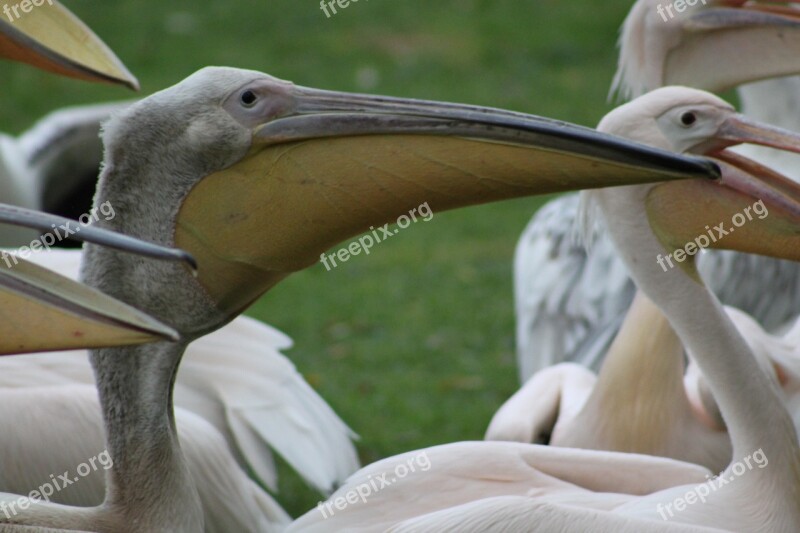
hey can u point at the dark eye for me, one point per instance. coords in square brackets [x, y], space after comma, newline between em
[248, 98]
[688, 118]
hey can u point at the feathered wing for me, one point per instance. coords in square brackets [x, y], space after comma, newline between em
[266, 403]
[58, 434]
[738, 281]
[237, 379]
[424, 481]
[519, 513]
[233, 501]
[60, 157]
[553, 394]
[569, 304]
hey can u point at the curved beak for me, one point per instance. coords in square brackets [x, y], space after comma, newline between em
[751, 208]
[47, 35]
[44, 311]
[739, 42]
[326, 166]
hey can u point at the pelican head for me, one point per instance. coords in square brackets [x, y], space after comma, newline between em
[709, 44]
[693, 121]
[47, 35]
[256, 177]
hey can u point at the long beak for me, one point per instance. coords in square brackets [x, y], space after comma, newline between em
[723, 47]
[50, 37]
[326, 166]
[65, 227]
[43, 311]
[751, 208]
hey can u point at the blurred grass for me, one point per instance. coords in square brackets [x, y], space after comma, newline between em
[413, 344]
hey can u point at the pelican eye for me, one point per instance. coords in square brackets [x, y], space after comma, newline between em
[688, 118]
[248, 98]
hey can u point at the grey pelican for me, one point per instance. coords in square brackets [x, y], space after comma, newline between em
[256, 177]
[36, 171]
[236, 378]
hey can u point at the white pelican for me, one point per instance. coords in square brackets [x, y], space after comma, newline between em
[257, 177]
[504, 486]
[569, 302]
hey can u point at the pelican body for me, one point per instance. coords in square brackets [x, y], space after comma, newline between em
[266, 171]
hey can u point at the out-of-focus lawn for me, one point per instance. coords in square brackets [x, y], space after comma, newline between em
[413, 344]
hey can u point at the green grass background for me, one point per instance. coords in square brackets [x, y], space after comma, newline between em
[413, 344]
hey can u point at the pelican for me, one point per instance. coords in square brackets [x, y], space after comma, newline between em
[34, 172]
[269, 176]
[641, 401]
[601, 492]
[569, 302]
[245, 407]
[235, 378]
[33, 169]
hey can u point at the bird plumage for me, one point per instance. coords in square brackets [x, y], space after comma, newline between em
[238, 379]
[578, 321]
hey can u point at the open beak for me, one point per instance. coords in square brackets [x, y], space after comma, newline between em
[64, 227]
[50, 37]
[732, 43]
[751, 208]
[44, 311]
[326, 166]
